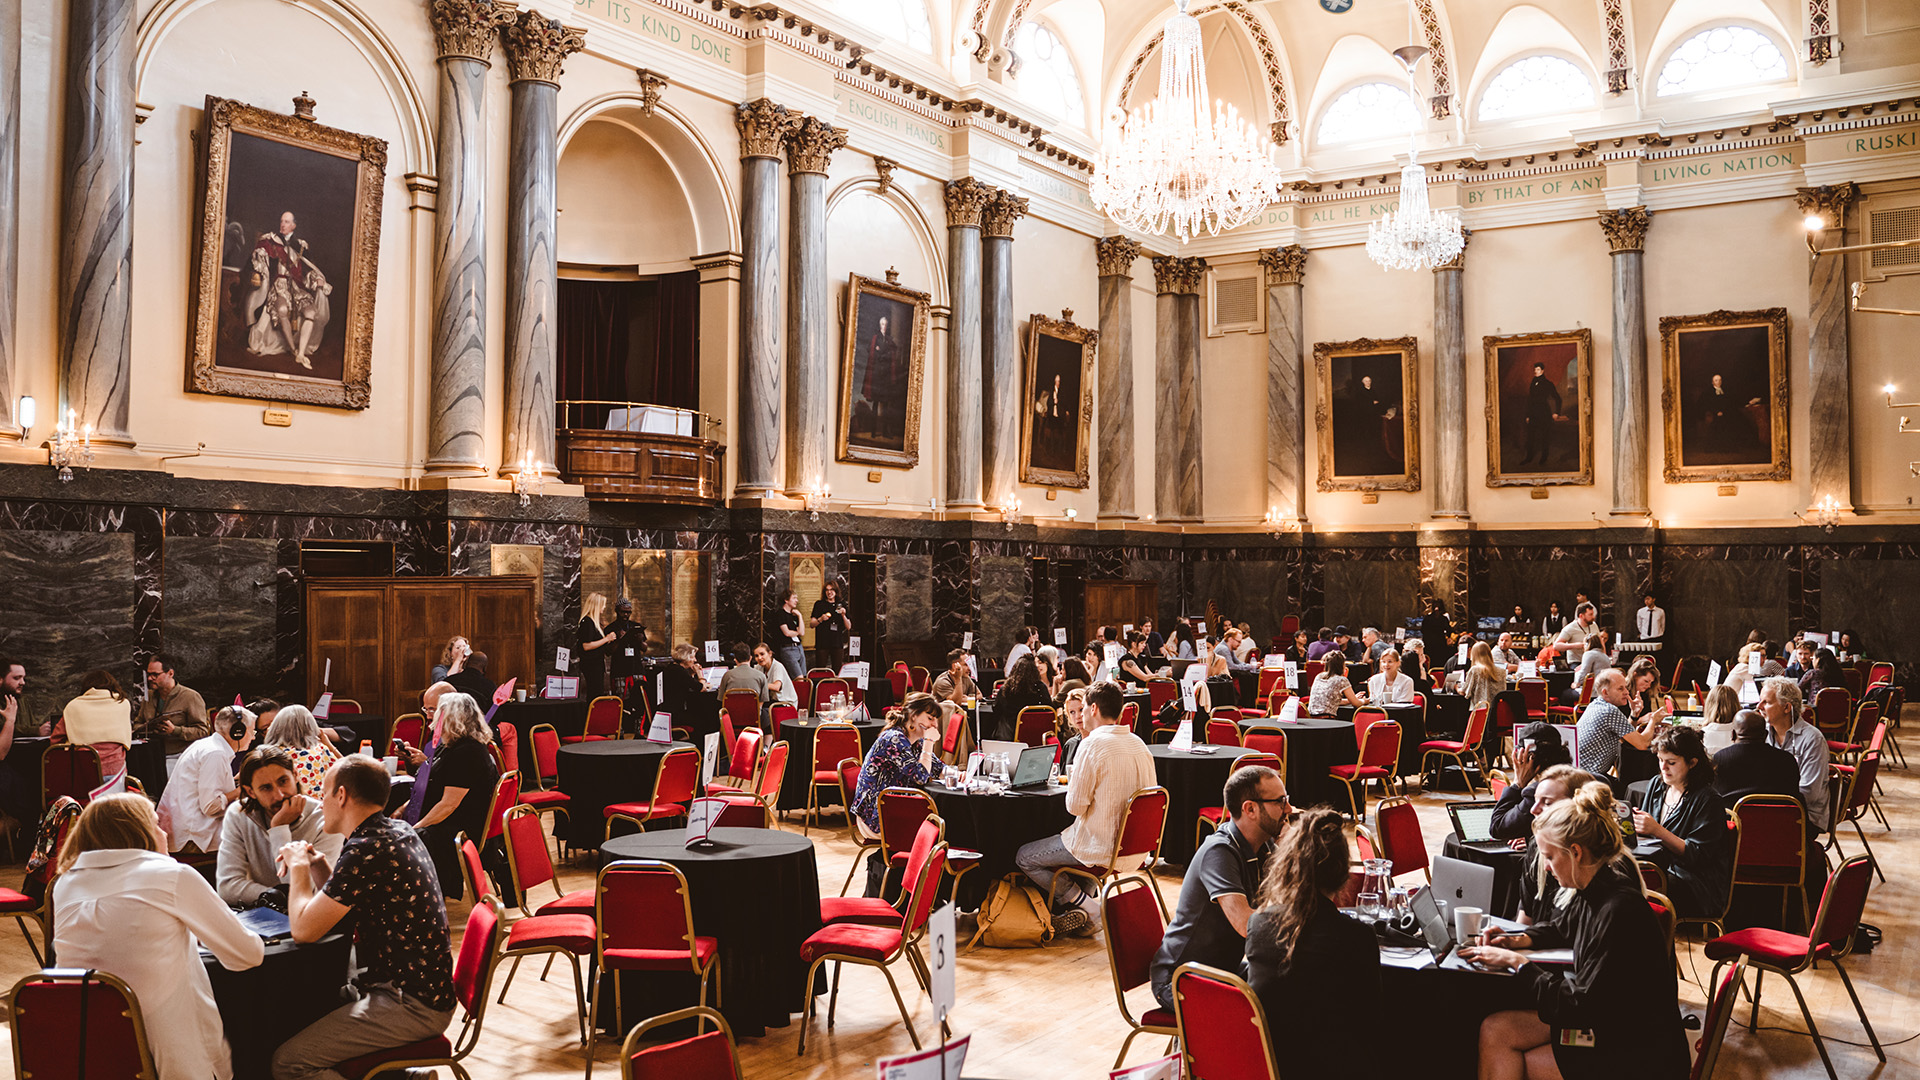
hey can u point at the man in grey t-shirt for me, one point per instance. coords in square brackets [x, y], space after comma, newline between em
[1223, 881]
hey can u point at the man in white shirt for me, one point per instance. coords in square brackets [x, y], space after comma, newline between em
[1503, 654]
[1029, 640]
[1390, 687]
[202, 786]
[1109, 768]
[272, 814]
[780, 686]
[1650, 620]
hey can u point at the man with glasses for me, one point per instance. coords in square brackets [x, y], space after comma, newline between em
[172, 712]
[1223, 880]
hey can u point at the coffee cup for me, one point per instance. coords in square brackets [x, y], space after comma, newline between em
[1466, 924]
[519, 695]
[391, 763]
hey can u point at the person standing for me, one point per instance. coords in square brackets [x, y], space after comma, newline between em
[593, 638]
[1650, 620]
[1222, 882]
[788, 637]
[629, 646]
[171, 711]
[1553, 621]
[831, 625]
[18, 799]
[202, 786]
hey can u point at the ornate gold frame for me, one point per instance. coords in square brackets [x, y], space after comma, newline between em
[1780, 467]
[891, 289]
[224, 117]
[1324, 353]
[1064, 328]
[1582, 341]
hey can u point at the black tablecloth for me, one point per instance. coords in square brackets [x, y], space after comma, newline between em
[1436, 1015]
[1314, 746]
[1193, 781]
[597, 774]
[1446, 716]
[996, 826]
[758, 892]
[264, 1006]
[1413, 732]
[1506, 862]
[366, 728]
[567, 718]
[146, 760]
[799, 738]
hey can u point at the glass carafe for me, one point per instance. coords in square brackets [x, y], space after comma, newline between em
[1379, 876]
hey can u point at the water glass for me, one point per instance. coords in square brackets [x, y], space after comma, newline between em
[1399, 903]
[1370, 906]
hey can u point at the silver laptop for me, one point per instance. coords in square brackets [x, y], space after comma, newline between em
[1009, 747]
[1034, 768]
[1435, 923]
[1459, 883]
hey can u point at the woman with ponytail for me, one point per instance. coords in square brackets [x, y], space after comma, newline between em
[1618, 1013]
[1317, 972]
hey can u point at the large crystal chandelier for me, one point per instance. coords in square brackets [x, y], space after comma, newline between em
[1416, 236]
[1183, 162]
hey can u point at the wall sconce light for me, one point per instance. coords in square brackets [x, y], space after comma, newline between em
[25, 414]
[69, 447]
[1071, 513]
[529, 481]
[816, 499]
[1010, 510]
[1827, 513]
[1277, 524]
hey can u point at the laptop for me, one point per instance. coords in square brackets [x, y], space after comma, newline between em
[1459, 883]
[1034, 769]
[1472, 821]
[1010, 747]
[1436, 926]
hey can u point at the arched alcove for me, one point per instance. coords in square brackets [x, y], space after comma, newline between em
[639, 191]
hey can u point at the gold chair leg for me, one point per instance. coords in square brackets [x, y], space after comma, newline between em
[806, 1015]
[593, 1014]
[900, 1001]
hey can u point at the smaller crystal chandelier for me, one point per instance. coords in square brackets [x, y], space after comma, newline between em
[70, 446]
[816, 499]
[529, 480]
[1416, 236]
[1827, 513]
[1010, 511]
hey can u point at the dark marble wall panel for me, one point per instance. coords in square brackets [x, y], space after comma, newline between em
[69, 608]
[955, 596]
[1533, 584]
[222, 600]
[1251, 592]
[1363, 593]
[1164, 573]
[1003, 605]
[1879, 601]
[909, 593]
[1714, 602]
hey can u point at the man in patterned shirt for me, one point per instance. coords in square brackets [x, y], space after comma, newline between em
[386, 879]
[1605, 725]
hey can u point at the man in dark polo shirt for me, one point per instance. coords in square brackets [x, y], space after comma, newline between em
[1223, 881]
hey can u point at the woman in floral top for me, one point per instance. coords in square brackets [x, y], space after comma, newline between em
[1331, 688]
[901, 757]
[295, 728]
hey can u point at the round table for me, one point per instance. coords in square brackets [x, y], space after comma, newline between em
[595, 775]
[1193, 782]
[1314, 745]
[996, 826]
[1413, 732]
[264, 1006]
[755, 890]
[798, 735]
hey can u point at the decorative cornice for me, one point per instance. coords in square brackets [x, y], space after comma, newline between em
[537, 45]
[763, 126]
[1002, 213]
[1830, 201]
[1458, 262]
[651, 84]
[811, 143]
[1626, 228]
[966, 199]
[1178, 276]
[465, 29]
[1285, 265]
[1115, 255]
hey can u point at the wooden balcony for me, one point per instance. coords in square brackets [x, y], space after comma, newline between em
[643, 466]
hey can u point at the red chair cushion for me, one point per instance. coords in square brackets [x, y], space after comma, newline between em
[1446, 746]
[1775, 947]
[646, 809]
[438, 1048]
[582, 738]
[868, 910]
[1215, 814]
[704, 949]
[1358, 772]
[1249, 714]
[1159, 1018]
[541, 800]
[17, 901]
[826, 776]
[574, 933]
[718, 788]
[574, 903]
[874, 943]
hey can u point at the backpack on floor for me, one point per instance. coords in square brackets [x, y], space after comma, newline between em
[1013, 916]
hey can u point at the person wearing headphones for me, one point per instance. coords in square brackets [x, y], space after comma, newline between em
[202, 785]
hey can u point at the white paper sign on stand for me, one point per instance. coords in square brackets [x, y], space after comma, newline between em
[966, 640]
[702, 814]
[709, 759]
[940, 938]
[973, 669]
[1529, 669]
[941, 1063]
[1273, 661]
[1189, 696]
[713, 652]
[661, 729]
[1183, 739]
[324, 706]
[1713, 673]
[1399, 633]
[563, 687]
[853, 646]
[1199, 626]
[1166, 1068]
[1060, 636]
[1113, 653]
[1291, 710]
[1464, 646]
[326, 676]
[660, 685]
[1291, 672]
[562, 659]
[855, 670]
[1126, 628]
[1750, 692]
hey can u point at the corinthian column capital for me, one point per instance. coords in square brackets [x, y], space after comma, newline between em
[466, 28]
[811, 143]
[1181, 277]
[1002, 212]
[1116, 255]
[1626, 228]
[536, 46]
[1285, 265]
[1829, 201]
[966, 199]
[763, 126]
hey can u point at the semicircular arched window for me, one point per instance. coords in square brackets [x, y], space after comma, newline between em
[1536, 86]
[1046, 78]
[1372, 110]
[905, 21]
[1719, 58]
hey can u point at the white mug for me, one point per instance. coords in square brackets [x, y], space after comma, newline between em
[1466, 924]
[392, 764]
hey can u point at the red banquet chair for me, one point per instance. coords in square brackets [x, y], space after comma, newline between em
[1223, 730]
[1379, 757]
[529, 867]
[70, 1009]
[1535, 691]
[673, 786]
[645, 916]
[742, 708]
[1719, 1014]
[543, 797]
[54, 826]
[69, 771]
[603, 720]
[741, 765]
[560, 929]
[1268, 739]
[408, 729]
[832, 744]
[506, 796]
[1210, 817]
[1161, 691]
[1134, 927]
[1832, 707]
[1223, 1029]
[849, 781]
[1400, 839]
[1851, 744]
[1858, 788]
[1141, 827]
[343, 706]
[1458, 749]
[1035, 723]
[901, 810]
[710, 1055]
[826, 687]
[922, 680]
[1771, 848]
[876, 946]
[764, 795]
[473, 968]
[877, 910]
[898, 678]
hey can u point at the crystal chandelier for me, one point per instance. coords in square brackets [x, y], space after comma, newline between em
[1182, 162]
[1416, 236]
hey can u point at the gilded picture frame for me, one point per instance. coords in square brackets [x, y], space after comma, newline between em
[1056, 417]
[1725, 398]
[882, 366]
[1367, 414]
[1539, 408]
[285, 265]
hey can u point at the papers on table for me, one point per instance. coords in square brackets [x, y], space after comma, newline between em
[266, 922]
[941, 1063]
[712, 676]
[563, 687]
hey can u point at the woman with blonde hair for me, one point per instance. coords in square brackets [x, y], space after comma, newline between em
[295, 729]
[459, 787]
[452, 658]
[1618, 1012]
[1716, 729]
[123, 906]
[1483, 679]
[593, 637]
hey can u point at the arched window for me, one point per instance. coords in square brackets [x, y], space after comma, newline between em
[1536, 86]
[1046, 78]
[905, 21]
[1369, 111]
[1719, 58]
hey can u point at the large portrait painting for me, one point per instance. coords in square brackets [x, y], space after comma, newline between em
[283, 281]
[1540, 409]
[880, 372]
[1059, 402]
[1368, 414]
[1725, 397]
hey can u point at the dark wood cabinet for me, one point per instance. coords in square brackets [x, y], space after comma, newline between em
[383, 636]
[1117, 603]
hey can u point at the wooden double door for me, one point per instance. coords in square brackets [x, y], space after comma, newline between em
[383, 636]
[1117, 603]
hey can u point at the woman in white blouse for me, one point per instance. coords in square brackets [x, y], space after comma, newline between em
[123, 906]
[1390, 687]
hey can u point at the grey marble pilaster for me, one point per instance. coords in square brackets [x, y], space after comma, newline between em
[1114, 432]
[9, 206]
[96, 255]
[1829, 356]
[1177, 333]
[1000, 397]
[1192, 328]
[1286, 383]
[966, 198]
[1626, 231]
[763, 126]
[1449, 392]
[810, 147]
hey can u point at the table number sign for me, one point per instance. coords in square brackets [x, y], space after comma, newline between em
[1290, 712]
[701, 816]
[661, 729]
[940, 937]
[1464, 646]
[1200, 626]
[1291, 671]
[709, 759]
[562, 658]
[1126, 628]
[1060, 636]
[1529, 669]
[942, 1063]
[966, 640]
[855, 670]
[1713, 673]
[713, 652]
[563, 687]
[853, 646]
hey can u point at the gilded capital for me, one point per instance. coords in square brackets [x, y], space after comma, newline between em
[466, 28]
[1181, 277]
[536, 46]
[1116, 255]
[966, 199]
[811, 143]
[1626, 228]
[1002, 212]
[1458, 262]
[763, 127]
[1829, 201]
[1285, 265]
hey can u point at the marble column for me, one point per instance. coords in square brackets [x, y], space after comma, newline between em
[1114, 433]
[1626, 231]
[1450, 389]
[966, 201]
[1176, 414]
[1829, 359]
[96, 253]
[810, 146]
[763, 127]
[1000, 361]
[464, 33]
[536, 47]
[1286, 383]
[9, 207]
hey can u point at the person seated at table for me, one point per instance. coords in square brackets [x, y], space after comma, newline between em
[1072, 670]
[101, 717]
[1180, 646]
[1229, 650]
[1156, 641]
[1073, 712]
[1315, 969]
[780, 686]
[1094, 659]
[1413, 662]
[1343, 641]
[1769, 657]
[682, 684]
[386, 879]
[1781, 704]
[1297, 652]
[1391, 686]
[417, 760]
[1684, 812]
[1482, 679]
[1024, 644]
[202, 786]
[1593, 661]
[1605, 726]
[1618, 1013]
[955, 684]
[1111, 765]
[121, 905]
[459, 786]
[1331, 689]
[265, 711]
[1716, 718]
[902, 756]
[1826, 672]
[1047, 659]
[1244, 647]
[1373, 644]
[743, 675]
[473, 680]
[1322, 644]
[1537, 747]
[1752, 766]
[1540, 894]
[272, 812]
[1023, 688]
[171, 711]
[1131, 673]
[452, 658]
[295, 729]
[1223, 880]
[1643, 681]
[1803, 660]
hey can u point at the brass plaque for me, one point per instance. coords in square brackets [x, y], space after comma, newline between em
[691, 619]
[600, 573]
[806, 574]
[645, 583]
[530, 559]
